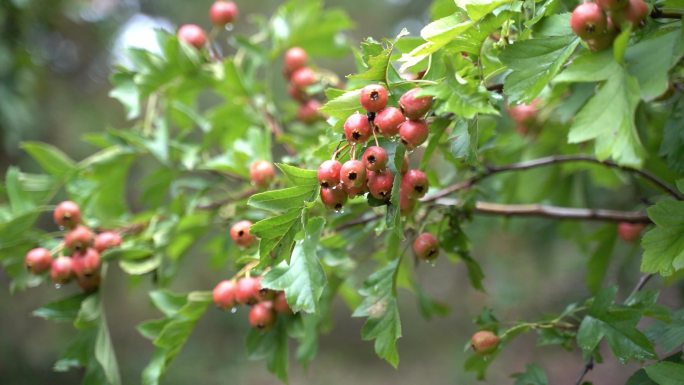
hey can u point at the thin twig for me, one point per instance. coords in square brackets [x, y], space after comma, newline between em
[550, 160]
[554, 212]
[587, 367]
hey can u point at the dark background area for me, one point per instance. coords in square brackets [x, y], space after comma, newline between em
[55, 59]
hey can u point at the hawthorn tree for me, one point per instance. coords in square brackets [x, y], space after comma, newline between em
[402, 156]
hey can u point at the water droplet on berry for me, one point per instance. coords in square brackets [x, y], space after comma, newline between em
[233, 310]
[58, 286]
[229, 27]
[61, 228]
[340, 210]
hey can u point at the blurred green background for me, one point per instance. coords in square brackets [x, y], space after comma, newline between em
[55, 59]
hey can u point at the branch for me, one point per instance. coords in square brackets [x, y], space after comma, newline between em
[554, 212]
[550, 160]
[658, 13]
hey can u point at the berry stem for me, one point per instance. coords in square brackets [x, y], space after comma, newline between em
[338, 151]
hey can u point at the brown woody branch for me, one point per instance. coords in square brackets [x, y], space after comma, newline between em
[551, 160]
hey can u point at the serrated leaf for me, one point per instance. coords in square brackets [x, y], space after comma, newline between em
[299, 176]
[380, 306]
[50, 158]
[277, 233]
[651, 59]
[339, 107]
[477, 9]
[303, 279]
[533, 64]
[533, 375]
[377, 65]
[608, 118]
[589, 67]
[664, 244]
[284, 199]
[666, 373]
[61, 310]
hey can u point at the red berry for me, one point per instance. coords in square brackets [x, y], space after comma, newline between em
[612, 5]
[262, 316]
[262, 173]
[426, 247]
[308, 112]
[523, 113]
[280, 304]
[67, 214]
[406, 203]
[636, 12]
[107, 240]
[38, 260]
[295, 58]
[375, 158]
[193, 35]
[355, 191]
[388, 120]
[247, 291]
[357, 128]
[588, 20]
[353, 174]
[223, 12]
[413, 133]
[484, 342]
[86, 263]
[91, 283]
[415, 183]
[630, 232]
[303, 78]
[329, 173]
[79, 238]
[373, 97]
[415, 107]
[297, 94]
[224, 294]
[334, 198]
[380, 184]
[61, 271]
[239, 232]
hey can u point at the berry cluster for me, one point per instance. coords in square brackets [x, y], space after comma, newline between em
[221, 13]
[301, 77]
[265, 304]
[598, 23]
[84, 246]
[370, 174]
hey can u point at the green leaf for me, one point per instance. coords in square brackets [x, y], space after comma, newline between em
[126, 92]
[140, 266]
[666, 373]
[608, 118]
[303, 280]
[598, 263]
[589, 67]
[380, 306]
[651, 59]
[299, 176]
[283, 200]
[61, 310]
[377, 66]
[477, 9]
[534, 375]
[50, 158]
[104, 354]
[664, 244]
[533, 64]
[272, 346]
[341, 106]
[277, 233]
[437, 34]
[672, 145]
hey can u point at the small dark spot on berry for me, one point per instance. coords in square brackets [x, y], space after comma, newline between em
[419, 188]
[590, 28]
[325, 184]
[374, 95]
[383, 193]
[352, 176]
[241, 233]
[356, 135]
[338, 206]
[371, 159]
[370, 116]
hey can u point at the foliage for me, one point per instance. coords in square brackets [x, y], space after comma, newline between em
[200, 117]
